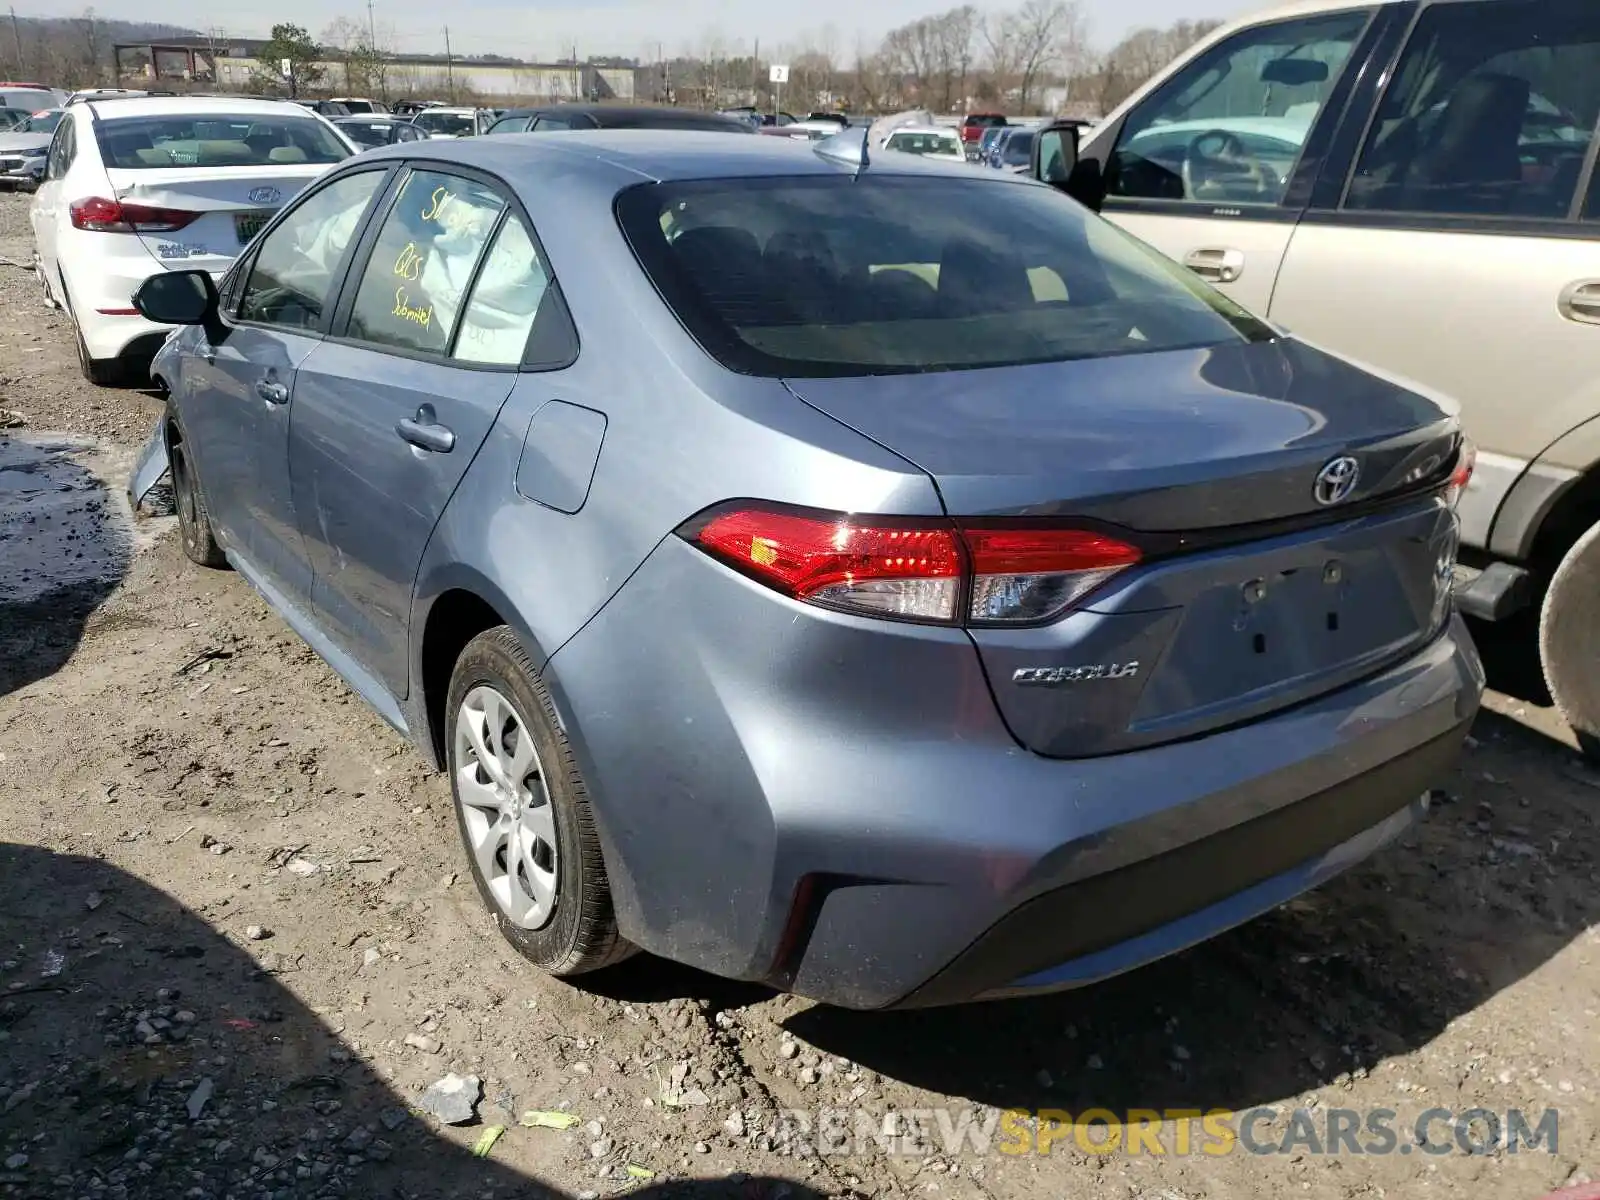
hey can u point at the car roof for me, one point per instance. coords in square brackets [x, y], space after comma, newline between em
[187, 106]
[941, 130]
[452, 109]
[612, 159]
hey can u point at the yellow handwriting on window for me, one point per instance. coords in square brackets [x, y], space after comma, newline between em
[409, 264]
[441, 196]
[406, 311]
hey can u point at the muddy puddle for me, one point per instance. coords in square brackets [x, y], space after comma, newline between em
[64, 525]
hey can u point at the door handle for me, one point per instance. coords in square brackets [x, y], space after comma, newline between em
[272, 391]
[426, 434]
[1217, 264]
[1580, 301]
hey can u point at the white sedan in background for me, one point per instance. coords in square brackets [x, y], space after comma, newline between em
[134, 186]
[930, 141]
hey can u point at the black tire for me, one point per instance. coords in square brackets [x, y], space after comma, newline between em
[194, 521]
[581, 933]
[1569, 640]
[102, 372]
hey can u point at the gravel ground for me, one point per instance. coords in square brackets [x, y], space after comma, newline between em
[238, 943]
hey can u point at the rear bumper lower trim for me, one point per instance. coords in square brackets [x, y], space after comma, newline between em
[1035, 945]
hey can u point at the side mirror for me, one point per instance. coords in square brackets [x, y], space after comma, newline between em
[1055, 161]
[177, 298]
[181, 298]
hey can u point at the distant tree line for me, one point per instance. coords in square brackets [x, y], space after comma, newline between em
[1035, 57]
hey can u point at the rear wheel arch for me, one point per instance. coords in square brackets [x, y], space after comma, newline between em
[1569, 518]
[459, 613]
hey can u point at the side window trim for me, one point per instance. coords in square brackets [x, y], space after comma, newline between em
[1319, 133]
[355, 268]
[1336, 138]
[321, 330]
[469, 293]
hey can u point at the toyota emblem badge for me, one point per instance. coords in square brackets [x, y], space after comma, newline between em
[1336, 480]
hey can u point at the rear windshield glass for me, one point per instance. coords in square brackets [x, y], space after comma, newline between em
[984, 121]
[438, 122]
[217, 140]
[839, 276]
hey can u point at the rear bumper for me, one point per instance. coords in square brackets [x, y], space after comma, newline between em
[834, 807]
[1109, 923]
[102, 272]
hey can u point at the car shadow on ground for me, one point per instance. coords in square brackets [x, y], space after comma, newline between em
[63, 550]
[144, 1055]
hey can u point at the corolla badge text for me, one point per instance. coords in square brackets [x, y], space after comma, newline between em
[1054, 676]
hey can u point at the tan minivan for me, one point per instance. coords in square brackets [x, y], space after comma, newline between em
[1410, 183]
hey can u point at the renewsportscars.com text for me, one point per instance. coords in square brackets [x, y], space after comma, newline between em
[1174, 1132]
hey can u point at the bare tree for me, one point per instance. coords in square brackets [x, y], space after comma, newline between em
[1141, 54]
[1046, 31]
[1000, 34]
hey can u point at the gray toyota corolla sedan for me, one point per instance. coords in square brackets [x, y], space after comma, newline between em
[885, 581]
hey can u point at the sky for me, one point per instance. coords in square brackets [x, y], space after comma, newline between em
[544, 30]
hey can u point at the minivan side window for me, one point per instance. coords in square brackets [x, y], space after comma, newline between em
[1229, 127]
[1491, 112]
[292, 278]
[423, 261]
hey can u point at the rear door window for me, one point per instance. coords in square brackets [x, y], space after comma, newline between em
[1491, 112]
[842, 276]
[423, 261]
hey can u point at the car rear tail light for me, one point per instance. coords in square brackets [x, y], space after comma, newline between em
[99, 215]
[1025, 575]
[913, 568]
[1462, 475]
[902, 569]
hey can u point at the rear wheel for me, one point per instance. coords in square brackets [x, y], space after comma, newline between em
[523, 812]
[103, 372]
[194, 523]
[1569, 639]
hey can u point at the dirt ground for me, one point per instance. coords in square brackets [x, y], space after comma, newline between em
[238, 939]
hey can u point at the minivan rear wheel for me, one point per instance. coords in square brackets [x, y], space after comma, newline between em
[1569, 640]
[523, 812]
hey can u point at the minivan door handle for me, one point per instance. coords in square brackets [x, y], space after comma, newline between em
[1580, 301]
[272, 391]
[424, 432]
[1216, 264]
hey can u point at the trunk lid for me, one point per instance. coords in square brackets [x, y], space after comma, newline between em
[233, 202]
[1253, 595]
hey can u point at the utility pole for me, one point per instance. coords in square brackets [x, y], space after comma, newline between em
[372, 29]
[449, 64]
[755, 75]
[577, 86]
[16, 37]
